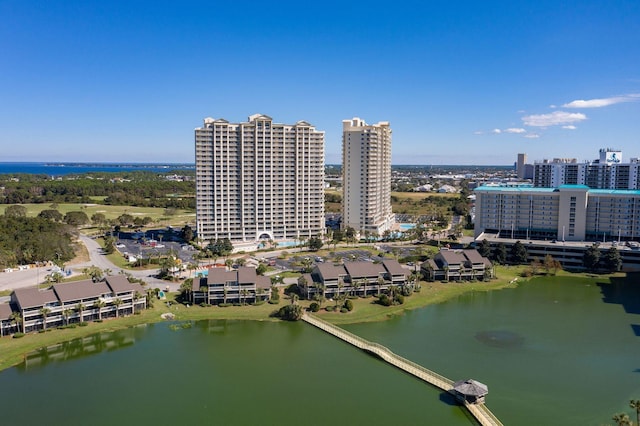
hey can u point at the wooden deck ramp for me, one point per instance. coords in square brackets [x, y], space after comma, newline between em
[479, 411]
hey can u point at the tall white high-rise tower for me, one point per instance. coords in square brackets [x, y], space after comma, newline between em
[259, 180]
[366, 176]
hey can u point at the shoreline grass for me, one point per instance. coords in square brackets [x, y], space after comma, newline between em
[12, 351]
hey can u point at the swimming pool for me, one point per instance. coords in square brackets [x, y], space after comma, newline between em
[288, 243]
[406, 226]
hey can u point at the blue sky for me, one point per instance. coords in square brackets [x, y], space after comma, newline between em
[462, 82]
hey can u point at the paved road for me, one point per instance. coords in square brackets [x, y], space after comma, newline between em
[31, 277]
[101, 261]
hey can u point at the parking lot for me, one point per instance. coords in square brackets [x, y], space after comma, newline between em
[293, 263]
[155, 243]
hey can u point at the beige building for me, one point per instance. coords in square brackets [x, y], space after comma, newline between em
[74, 302]
[366, 176]
[359, 278]
[242, 285]
[259, 180]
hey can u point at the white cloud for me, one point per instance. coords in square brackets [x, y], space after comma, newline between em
[515, 130]
[602, 102]
[532, 136]
[569, 127]
[478, 132]
[496, 131]
[556, 118]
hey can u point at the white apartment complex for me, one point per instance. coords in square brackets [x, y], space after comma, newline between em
[366, 176]
[259, 180]
[607, 172]
[566, 213]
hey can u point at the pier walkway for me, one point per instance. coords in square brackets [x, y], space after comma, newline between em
[479, 411]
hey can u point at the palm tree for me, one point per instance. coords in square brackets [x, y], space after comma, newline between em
[380, 284]
[302, 283]
[392, 292]
[80, 308]
[56, 277]
[16, 319]
[151, 293]
[191, 267]
[228, 263]
[355, 285]
[65, 314]
[44, 312]
[307, 264]
[320, 287]
[169, 266]
[117, 302]
[136, 297]
[622, 419]
[364, 282]
[99, 304]
[241, 261]
[94, 272]
[244, 294]
[340, 286]
[413, 277]
[635, 404]
[274, 293]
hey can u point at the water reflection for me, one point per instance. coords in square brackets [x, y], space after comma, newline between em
[213, 326]
[82, 347]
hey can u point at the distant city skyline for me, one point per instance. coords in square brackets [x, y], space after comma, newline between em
[460, 83]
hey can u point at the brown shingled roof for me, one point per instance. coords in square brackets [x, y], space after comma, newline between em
[329, 271]
[452, 257]
[263, 282]
[33, 297]
[5, 311]
[220, 276]
[80, 290]
[364, 269]
[394, 267]
[474, 257]
[247, 275]
[309, 279]
[120, 284]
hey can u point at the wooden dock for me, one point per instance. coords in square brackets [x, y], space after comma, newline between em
[480, 411]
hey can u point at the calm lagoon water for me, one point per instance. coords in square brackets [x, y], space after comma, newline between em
[551, 351]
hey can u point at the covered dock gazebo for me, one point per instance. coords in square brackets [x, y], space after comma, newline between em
[470, 391]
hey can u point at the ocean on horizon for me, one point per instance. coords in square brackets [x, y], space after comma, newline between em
[62, 168]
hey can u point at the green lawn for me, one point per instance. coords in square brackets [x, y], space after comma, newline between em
[181, 217]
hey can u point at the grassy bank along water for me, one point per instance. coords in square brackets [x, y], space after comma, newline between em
[12, 350]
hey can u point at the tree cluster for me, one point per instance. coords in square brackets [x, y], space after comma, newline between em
[144, 189]
[594, 260]
[25, 240]
[291, 312]
[219, 248]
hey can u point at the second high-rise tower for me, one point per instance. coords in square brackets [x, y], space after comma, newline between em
[366, 176]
